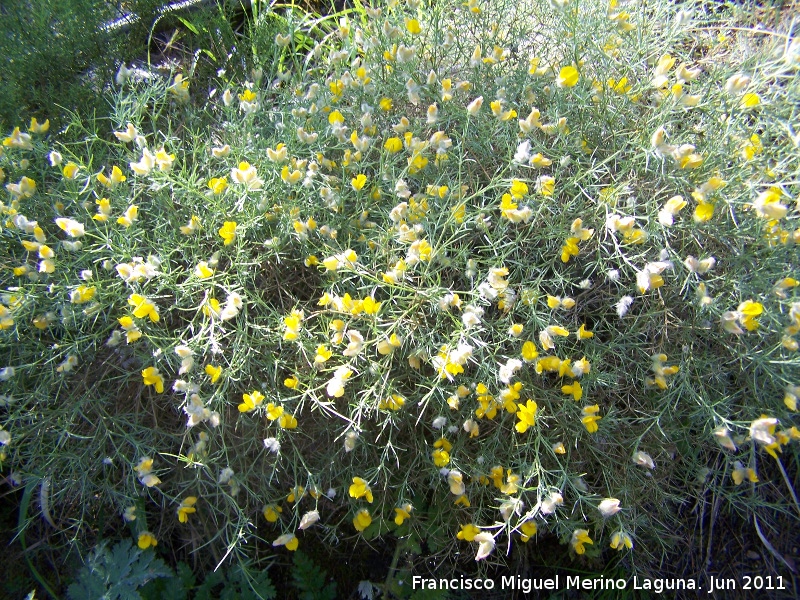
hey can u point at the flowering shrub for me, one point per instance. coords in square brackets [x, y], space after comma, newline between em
[523, 271]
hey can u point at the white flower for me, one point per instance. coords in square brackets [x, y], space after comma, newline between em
[643, 459]
[350, 439]
[699, 266]
[549, 505]
[507, 371]
[308, 519]
[471, 316]
[609, 507]
[128, 135]
[6, 373]
[196, 411]
[623, 305]
[523, 153]
[511, 506]
[475, 106]
[145, 164]
[272, 445]
[486, 541]
[760, 430]
[724, 438]
[456, 482]
[737, 83]
[221, 152]
[439, 422]
[123, 74]
[355, 345]
[226, 475]
[72, 227]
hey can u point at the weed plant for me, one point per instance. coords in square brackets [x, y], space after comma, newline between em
[456, 275]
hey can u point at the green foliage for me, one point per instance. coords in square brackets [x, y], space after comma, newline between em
[236, 583]
[49, 48]
[127, 573]
[175, 587]
[310, 579]
[117, 574]
[345, 273]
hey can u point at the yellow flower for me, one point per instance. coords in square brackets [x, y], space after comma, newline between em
[749, 312]
[358, 182]
[527, 530]
[116, 177]
[145, 472]
[212, 308]
[82, 294]
[359, 489]
[335, 118]
[323, 354]
[393, 145]
[132, 331]
[750, 100]
[37, 127]
[272, 513]
[468, 532]
[526, 413]
[545, 185]
[287, 421]
[620, 540]
[703, 212]
[213, 372]
[151, 376]
[475, 106]
[362, 520]
[296, 494]
[567, 77]
[583, 334]
[370, 306]
[103, 210]
[579, 538]
[385, 104]
[228, 232]
[529, 351]
[146, 539]
[289, 540]
[740, 473]
[218, 184]
[291, 382]
[386, 347]
[441, 457]
[129, 217]
[142, 307]
[413, 26]
[70, 170]
[192, 226]
[186, 508]
[519, 189]
[293, 322]
[202, 270]
[274, 412]
[402, 513]
[590, 417]
[394, 402]
[574, 388]
[251, 401]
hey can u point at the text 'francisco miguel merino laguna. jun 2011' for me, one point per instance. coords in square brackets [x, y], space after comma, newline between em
[577, 582]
